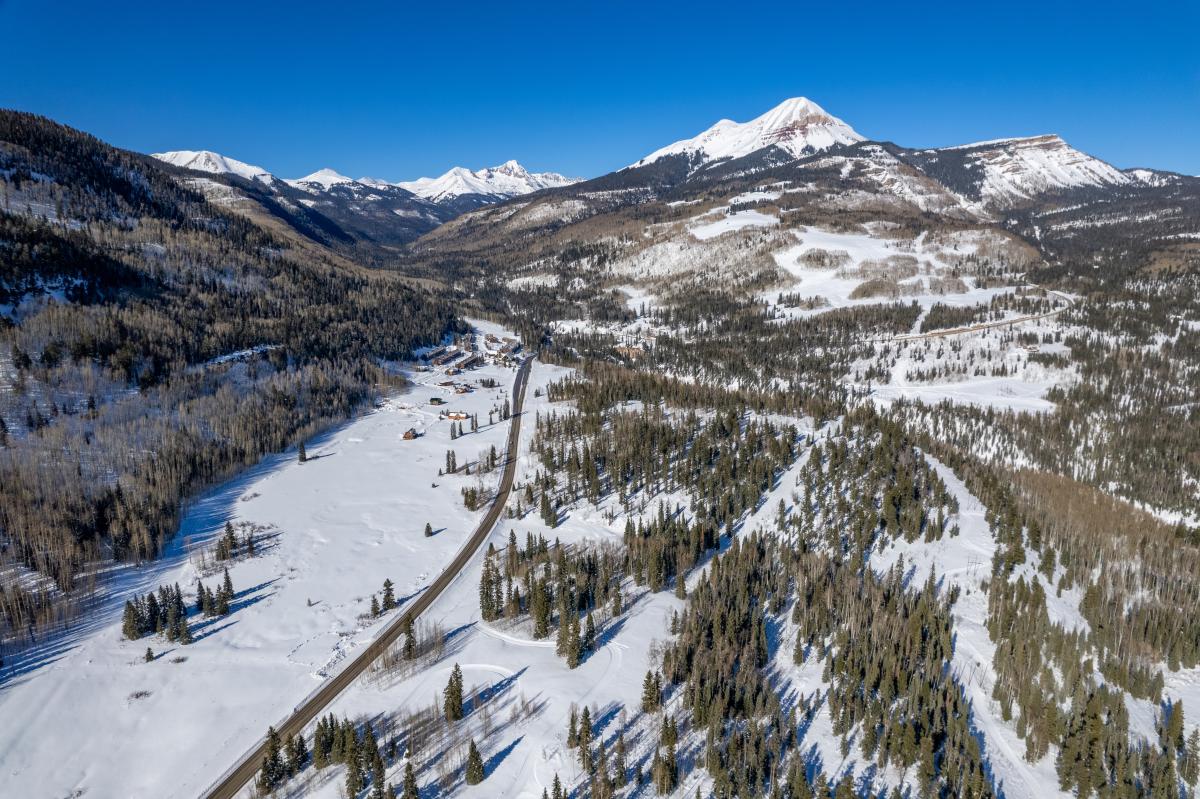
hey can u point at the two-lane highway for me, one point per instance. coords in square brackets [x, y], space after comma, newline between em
[243, 772]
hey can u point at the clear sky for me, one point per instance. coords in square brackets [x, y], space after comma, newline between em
[396, 90]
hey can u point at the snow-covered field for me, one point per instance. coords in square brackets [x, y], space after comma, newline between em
[95, 720]
[734, 221]
[524, 676]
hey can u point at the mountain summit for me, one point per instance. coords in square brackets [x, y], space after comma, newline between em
[215, 163]
[509, 179]
[797, 126]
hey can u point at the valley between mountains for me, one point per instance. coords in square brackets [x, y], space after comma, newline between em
[845, 468]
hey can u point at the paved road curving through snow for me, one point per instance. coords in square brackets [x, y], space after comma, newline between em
[1068, 301]
[230, 783]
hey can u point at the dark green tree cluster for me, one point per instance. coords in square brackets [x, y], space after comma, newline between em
[210, 603]
[354, 746]
[281, 761]
[161, 614]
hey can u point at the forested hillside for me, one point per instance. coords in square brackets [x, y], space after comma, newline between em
[152, 342]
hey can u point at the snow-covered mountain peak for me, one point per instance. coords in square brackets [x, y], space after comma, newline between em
[1015, 170]
[512, 168]
[797, 125]
[215, 163]
[509, 179]
[325, 178]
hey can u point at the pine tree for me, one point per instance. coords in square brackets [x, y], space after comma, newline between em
[487, 607]
[428, 530]
[584, 740]
[375, 606]
[301, 453]
[377, 768]
[539, 608]
[131, 625]
[650, 693]
[389, 595]
[273, 770]
[574, 643]
[666, 770]
[474, 774]
[410, 641]
[453, 702]
[227, 585]
[299, 752]
[149, 656]
[410, 783]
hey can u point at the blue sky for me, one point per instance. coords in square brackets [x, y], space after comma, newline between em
[394, 90]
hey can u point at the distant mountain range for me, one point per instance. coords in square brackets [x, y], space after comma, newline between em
[974, 180]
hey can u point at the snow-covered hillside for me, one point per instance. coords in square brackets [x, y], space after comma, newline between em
[797, 126]
[1014, 170]
[208, 161]
[510, 179]
[321, 180]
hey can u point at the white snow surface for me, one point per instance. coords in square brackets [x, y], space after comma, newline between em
[208, 161]
[332, 530]
[510, 179]
[797, 126]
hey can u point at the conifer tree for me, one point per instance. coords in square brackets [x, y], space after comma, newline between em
[589, 635]
[584, 739]
[453, 693]
[301, 453]
[389, 595]
[371, 748]
[474, 774]
[131, 626]
[650, 693]
[574, 643]
[375, 610]
[410, 790]
[149, 656]
[410, 642]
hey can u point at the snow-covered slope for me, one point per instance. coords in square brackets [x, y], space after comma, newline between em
[510, 179]
[321, 180]
[1014, 170]
[208, 161]
[798, 126]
